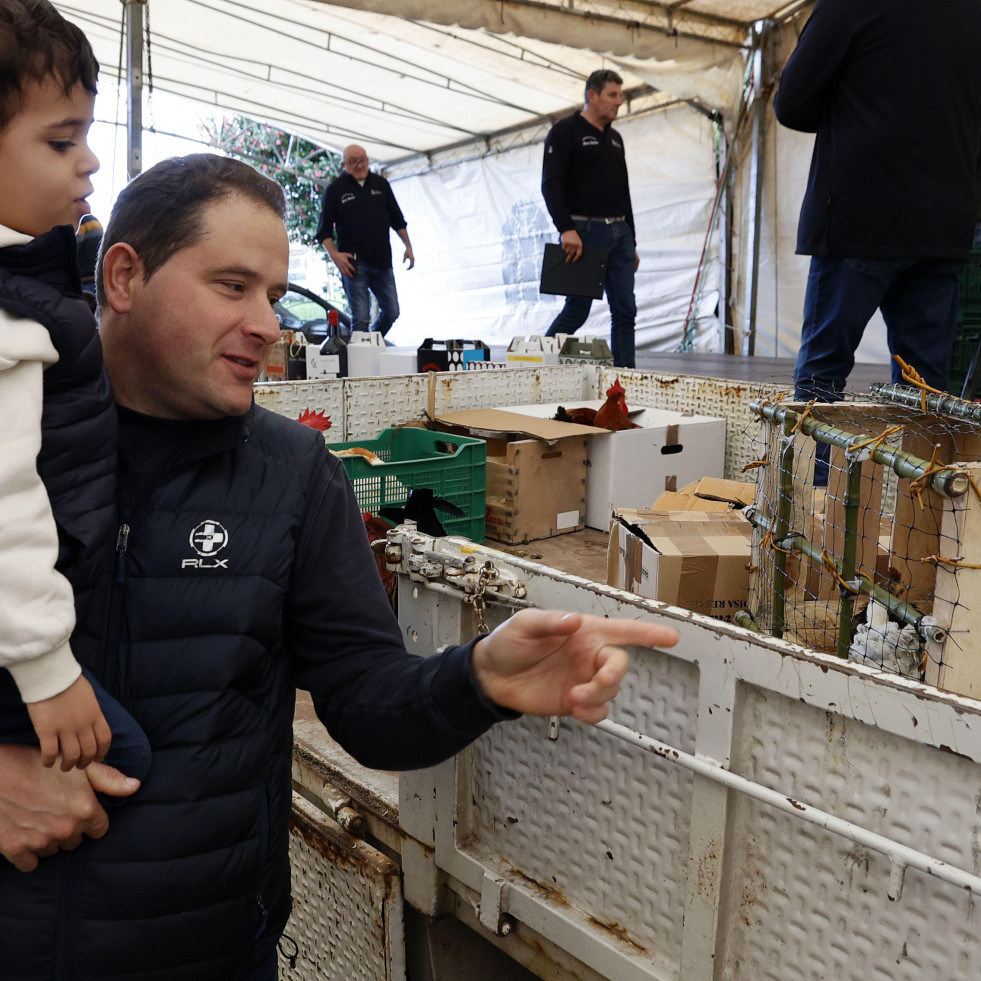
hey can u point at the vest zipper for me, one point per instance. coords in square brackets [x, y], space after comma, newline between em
[122, 542]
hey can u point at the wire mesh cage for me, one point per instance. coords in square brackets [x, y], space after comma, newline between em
[867, 520]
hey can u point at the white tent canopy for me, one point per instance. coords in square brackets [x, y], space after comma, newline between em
[450, 94]
[405, 77]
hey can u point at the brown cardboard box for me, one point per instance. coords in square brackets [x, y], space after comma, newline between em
[535, 490]
[710, 494]
[275, 369]
[693, 559]
[536, 472]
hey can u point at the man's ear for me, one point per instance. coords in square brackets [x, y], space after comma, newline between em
[122, 274]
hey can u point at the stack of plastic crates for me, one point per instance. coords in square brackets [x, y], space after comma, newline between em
[453, 467]
[968, 335]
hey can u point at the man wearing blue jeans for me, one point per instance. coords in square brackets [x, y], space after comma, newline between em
[890, 208]
[361, 207]
[584, 183]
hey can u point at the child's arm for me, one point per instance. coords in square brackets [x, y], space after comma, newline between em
[71, 724]
[37, 608]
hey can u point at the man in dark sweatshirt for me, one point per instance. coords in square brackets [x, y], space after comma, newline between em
[892, 90]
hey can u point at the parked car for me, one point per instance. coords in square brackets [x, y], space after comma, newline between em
[302, 310]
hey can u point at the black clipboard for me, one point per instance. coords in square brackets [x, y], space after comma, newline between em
[583, 278]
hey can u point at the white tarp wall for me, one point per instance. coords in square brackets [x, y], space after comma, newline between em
[478, 229]
[782, 273]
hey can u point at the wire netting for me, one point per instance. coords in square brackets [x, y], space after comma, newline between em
[860, 547]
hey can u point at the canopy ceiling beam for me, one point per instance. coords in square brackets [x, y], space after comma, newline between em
[622, 27]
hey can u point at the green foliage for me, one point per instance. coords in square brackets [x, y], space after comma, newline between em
[301, 167]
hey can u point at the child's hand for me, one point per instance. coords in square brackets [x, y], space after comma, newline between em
[71, 724]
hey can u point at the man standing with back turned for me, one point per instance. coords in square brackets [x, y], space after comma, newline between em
[892, 90]
[362, 207]
[584, 183]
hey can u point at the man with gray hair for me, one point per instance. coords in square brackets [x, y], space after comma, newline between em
[358, 210]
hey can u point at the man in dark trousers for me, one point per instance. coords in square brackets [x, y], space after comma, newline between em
[584, 183]
[892, 88]
[358, 210]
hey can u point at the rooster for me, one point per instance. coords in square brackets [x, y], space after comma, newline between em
[584, 416]
[612, 414]
[377, 529]
[421, 506]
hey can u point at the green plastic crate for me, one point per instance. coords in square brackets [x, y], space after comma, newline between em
[454, 467]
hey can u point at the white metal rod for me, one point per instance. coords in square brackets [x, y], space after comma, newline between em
[900, 855]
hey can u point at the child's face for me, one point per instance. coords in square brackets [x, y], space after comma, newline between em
[45, 162]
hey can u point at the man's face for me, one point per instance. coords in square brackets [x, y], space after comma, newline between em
[45, 162]
[606, 104]
[355, 162]
[198, 331]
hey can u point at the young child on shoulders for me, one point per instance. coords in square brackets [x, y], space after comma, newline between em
[58, 432]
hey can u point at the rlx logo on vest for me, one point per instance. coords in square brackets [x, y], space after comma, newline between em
[207, 539]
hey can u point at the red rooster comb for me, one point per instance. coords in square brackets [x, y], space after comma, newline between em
[315, 420]
[616, 390]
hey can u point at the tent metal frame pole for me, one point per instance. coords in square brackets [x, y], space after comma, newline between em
[134, 86]
[761, 88]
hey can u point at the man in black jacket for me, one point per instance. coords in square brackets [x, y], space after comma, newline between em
[241, 572]
[358, 210]
[584, 183]
[892, 88]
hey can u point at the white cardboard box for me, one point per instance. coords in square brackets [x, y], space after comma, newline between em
[630, 469]
[537, 350]
[398, 361]
[363, 350]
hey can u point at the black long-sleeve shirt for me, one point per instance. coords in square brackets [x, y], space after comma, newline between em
[584, 172]
[362, 216]
[892, 88]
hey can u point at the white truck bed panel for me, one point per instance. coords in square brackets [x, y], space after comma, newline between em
[657, 861]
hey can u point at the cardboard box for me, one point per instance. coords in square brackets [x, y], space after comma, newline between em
[537, 350]
[536, 472]
[398, 361]
[363, 348]
[275, 369]
[710, 494]
[585, 350]
[692, 559]
[325, 365]
[450, 355]
[630, 469]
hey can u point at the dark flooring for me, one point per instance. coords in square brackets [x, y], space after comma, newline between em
[778, 371]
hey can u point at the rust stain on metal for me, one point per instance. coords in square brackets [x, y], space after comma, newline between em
[616, 930]
[340, 849]
[796, 804]
[549, 892]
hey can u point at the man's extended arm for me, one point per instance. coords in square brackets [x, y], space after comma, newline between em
[393, 710]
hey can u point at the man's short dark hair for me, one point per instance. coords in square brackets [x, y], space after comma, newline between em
[599, 80]
[160, 212]
[36, 43]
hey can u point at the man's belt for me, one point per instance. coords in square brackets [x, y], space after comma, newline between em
[603, 221]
